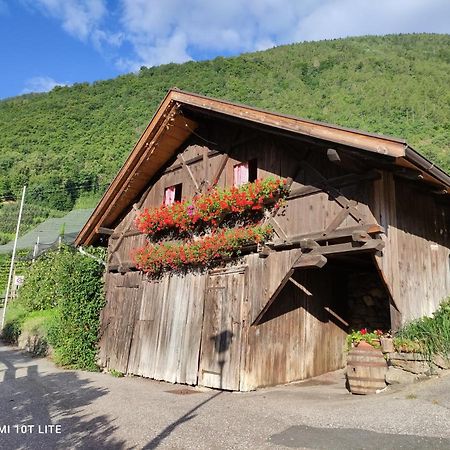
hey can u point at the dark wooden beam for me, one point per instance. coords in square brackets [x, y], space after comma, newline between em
[340, 233]
[337, 182]
[223, 163]
[349, 247]
[103, 230]
[188, 171]
[190, 161]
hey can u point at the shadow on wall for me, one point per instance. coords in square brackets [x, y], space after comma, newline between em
[28, 397]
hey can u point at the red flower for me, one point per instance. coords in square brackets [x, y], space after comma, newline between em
[363, 331]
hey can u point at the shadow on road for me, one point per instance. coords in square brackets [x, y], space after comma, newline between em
[154, 443]
[28, 397]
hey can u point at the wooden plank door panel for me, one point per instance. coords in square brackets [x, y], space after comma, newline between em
[221, 333]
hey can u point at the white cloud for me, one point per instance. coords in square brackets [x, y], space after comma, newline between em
[151, 32]
[178, 30]
[78, 17]
[342, 18]
[41, 84]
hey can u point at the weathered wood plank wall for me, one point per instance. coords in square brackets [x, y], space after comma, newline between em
[197, 328]
[416, 258]
[297, 338]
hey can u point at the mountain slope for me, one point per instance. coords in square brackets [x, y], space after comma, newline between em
[72, 140]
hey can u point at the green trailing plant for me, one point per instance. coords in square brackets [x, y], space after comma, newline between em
[429, 334]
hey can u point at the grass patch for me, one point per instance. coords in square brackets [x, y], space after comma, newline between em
[16, 315]
[429, 334]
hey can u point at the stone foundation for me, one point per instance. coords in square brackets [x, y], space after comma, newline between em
[405, 368]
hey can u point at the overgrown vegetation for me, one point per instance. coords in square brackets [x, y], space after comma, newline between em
[61, 300]
[71, 141]
[428, 335]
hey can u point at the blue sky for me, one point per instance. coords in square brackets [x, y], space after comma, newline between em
[48, 42]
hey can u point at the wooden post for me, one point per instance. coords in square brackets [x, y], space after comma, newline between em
[11, 268]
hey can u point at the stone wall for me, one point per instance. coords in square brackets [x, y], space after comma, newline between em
[368, 302]
[406, 368]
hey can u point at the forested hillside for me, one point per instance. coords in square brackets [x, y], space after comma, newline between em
[71, 141]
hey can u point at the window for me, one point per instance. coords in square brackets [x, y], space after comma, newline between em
[245, 172]
[172, 194]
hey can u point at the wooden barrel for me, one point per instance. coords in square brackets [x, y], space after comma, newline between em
[366, 369]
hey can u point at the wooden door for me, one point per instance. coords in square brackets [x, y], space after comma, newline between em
[220, 352]
[118, 319]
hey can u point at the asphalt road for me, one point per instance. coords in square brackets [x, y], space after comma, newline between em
[43, 407]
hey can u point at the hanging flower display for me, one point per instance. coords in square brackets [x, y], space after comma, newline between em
[156, 258]
[211, 208]
[211, 226]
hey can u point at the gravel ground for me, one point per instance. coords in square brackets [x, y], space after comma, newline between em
[99, 411]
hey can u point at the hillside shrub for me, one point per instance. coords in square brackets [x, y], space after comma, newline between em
[70, 286]
[74, 330]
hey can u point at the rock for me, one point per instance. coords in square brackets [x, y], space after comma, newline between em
[387, 345]
[441, 362]
[399, 376]
[415, 367]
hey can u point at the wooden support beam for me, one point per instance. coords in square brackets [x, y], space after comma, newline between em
[220, 169]
[274, 296]
[361, 236]
[103, 230]
[126, 234]
[336, 316]
[188, 171]
[310, 260]
[333, 155]
[278, 230]
[338, 219]
[308, 244]
[205, 182]
[350, 247]
[337, 234]
[337, 182]
[190, 161]
[300, 286]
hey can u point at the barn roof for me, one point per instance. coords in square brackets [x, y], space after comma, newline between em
[171, 126]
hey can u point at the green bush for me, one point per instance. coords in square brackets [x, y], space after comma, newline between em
[74, 330]
[431, 333]
[62, 298]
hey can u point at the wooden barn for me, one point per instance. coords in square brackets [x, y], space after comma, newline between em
[363, 241]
